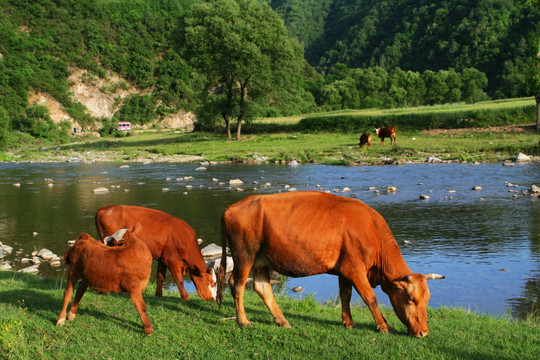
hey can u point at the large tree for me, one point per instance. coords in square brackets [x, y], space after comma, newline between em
[245, 53]
[532, 70]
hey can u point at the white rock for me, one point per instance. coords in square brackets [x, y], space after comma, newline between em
[204, 163]
[45, 254]
[100, 190]
[214, 180]
[522, 158]
[230, 264]
[36, 260]
[165, 189]
[30, 270]
[6, 267]
[477, 188]
[199, 241]
[235, 182]
[433, 160]
[17, 185]
[124, 166]
[55, 263]
[293, 163]
[391, 189]
[424, 197]
[26, 260]
[346, 189]
[7, 249]
[200, 168]
[35, 233]
[211, 250]
[297, 289]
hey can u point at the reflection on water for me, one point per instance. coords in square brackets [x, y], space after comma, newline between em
[486, 242]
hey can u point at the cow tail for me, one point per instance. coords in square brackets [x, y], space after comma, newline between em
[66, 256]
[223, 266]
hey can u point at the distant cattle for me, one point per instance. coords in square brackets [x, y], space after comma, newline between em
[388, 132]
[365, 139]
[108, 269]
[170, 240]
[307, 233]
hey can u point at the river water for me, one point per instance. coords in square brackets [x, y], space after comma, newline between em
[486, 242]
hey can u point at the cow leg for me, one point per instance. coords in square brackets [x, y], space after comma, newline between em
[161, 273]
[140, 306]
[68, 293]
[178, 276]
[237, 282]
[361, 284]
[81, 289]
[261, 278]
[345, 292]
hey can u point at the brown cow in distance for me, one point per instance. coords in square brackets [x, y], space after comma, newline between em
[307, 233]
[170, 240]
[365, 139]
[388, 132]
[106, 269]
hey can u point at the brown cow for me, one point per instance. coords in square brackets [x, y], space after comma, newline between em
[308, 233]
[170, 240]
[365, 139]
[388, 132]
[107, 269]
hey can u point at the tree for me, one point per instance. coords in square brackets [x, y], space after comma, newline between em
[245, 52]
[532, 70]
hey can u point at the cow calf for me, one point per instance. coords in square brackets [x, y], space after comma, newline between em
[106, 269]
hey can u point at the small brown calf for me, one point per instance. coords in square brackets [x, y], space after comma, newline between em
[106, 269]
[365, 139]
[388, 132]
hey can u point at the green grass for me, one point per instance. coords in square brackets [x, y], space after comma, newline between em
[109, 327]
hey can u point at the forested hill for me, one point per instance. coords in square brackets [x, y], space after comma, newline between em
[417, 35]
[360, 54]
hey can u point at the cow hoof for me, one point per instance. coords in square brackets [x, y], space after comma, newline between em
[60, 322]
[247, 323]
[385, 330]
[285, 325]
[349, 325]
[149, 331]
[71, 316]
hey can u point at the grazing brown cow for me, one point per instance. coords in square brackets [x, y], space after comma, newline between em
[107, 269]
[170, 240]
[388, 132]
[365, 139]
[307, 233]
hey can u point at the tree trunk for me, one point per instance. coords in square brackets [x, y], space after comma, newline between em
[227, 125]
[537, 97]
[239, 129]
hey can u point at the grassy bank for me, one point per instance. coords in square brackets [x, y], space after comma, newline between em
[320, 147]
[109, 327]
[285, 139]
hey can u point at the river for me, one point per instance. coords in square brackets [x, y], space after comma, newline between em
[486, 242]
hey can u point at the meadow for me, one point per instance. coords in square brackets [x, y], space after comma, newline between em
[108, 327]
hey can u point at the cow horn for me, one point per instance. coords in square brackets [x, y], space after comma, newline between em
[434, 276]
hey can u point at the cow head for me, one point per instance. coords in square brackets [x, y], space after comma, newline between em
[409, 297]
[205, 283]
[377, 130]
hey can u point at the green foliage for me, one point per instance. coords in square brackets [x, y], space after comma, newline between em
[37, 123]
[418, 35]
[139, 109]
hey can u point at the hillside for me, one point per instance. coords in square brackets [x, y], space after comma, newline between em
[97, 62]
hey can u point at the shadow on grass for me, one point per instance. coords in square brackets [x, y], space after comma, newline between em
[256, 311]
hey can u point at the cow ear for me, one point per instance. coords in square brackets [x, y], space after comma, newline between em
[209, 270]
